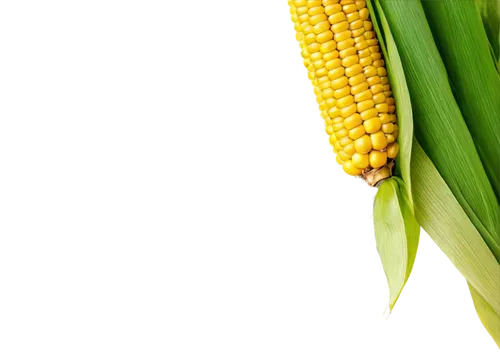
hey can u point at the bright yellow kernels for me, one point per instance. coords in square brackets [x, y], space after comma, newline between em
[342, 92]
[330, 65]
[342, 45]
[361, 45]
[363, 86]
[328, 46]
[341, 36]
[353, 70]
[365, 105]
[372, 125]
[360, 160]
[388, 128]
[363, 14]
[382, 107]
[384, 118]
[363, 145]
[357, 132]
[347, 52]
[364, 53]
[392, 150]
[349, 8]
[378, 140]
[350, 169]
[336, 18]
[369, 113]
[390, 138]
[324, 37]
[350, 60]
[344, 156]
[373, 80]
[365, 61]
[347, 111]
[356, 80]
[352, 121]
[345, 141]
[332, 9]
[345, 101]
[337, 158]
[356, 24]
[363, 96]
[340, 26]
[377, 159]
[340, 82]
[377, 88]
[358, 32]
[336, 73]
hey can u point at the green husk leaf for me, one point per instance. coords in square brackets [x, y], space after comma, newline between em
[489, 318]
[438, 122]
[441, 216]
[396, 233]
[462, 42]
[490, 14]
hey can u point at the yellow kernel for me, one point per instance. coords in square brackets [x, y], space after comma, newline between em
[301, 10]
[334, 112]
[363, 96]
[363, 86]
[338, 120]
[367, 25]
[393, 118]
[372, 125]
[364, 53]
[353, 16]
[390, 138]
[381, 71]
[316, 56]
[356, 24]
[392, 150]
[353, 70]
[365, 61]
[337, 146]
[373, 80]
[349, 149]
[360, 160]
[337, 158]
[337, 18]
[340, 82]
[370, 35]
[321, 72]
[347, 52]
[352, 121]
[316, 10]
[365, 105]
[356, 80]
[328, 46]
[335, 63]
[309, 39]
[358, 39]
[316, 19]
[350, 169]
[345, 101]
[379, 98]
[344, 156]
[339, 27]
[347, 111]
[341, 133]
[390, 101]
[341, 36]
[330, 55]
[374, 49]
[332, 9]
[369, 113]
[378, 140]
[363, 145]
[382, 108]
[342, 92]
[361, 46]
[350, 60]
[327, 93]
[319, 64]
[324, 37]
[392, 109]
[324, 114]
[377, 159]
[372, 42]
[330, 102]
[384, 118]
[378, 63]
[364, 13]
[358, 32]
[336, 73]
[360, 4]
[314, 47]
[349, 8]
[357, 132]
[345, 141]
[329, 130]
[338, 127]
[388, 128]
[321, 27]
[370, 71]
[328, 122]
[377, 88]
[342, 45]
[324, 85]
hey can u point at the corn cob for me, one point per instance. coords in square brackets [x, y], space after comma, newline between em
[346, 68]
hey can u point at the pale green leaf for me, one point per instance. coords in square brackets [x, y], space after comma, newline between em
[489, 318]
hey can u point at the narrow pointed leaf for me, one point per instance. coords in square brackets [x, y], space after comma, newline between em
[489, 318]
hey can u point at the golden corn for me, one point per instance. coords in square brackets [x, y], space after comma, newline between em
[346, 67]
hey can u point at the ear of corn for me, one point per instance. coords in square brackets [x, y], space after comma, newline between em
[477, 90]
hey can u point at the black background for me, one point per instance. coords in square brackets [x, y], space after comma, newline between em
[334, 273]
